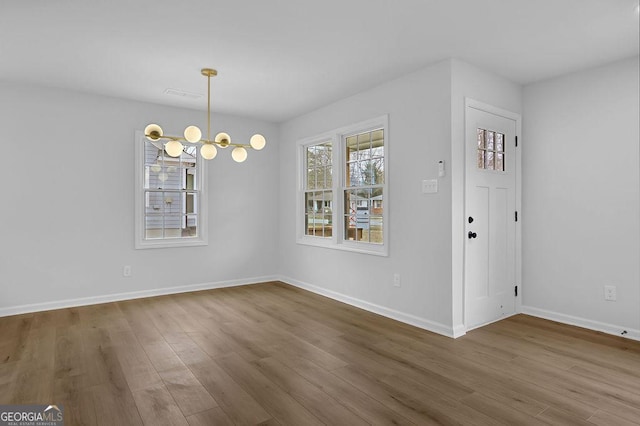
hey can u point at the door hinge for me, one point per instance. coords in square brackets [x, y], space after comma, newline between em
[516, 141]
[516, 216]
[516, 291]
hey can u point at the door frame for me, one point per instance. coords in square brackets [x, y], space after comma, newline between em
[459, 213]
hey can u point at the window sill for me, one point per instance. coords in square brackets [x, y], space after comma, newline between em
[168, 243]
[351, 246]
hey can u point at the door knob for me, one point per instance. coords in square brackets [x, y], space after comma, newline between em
[472, 235]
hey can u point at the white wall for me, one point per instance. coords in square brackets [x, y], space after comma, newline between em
[469, 81]
[420, 240]
[67, 205]
[581, 208]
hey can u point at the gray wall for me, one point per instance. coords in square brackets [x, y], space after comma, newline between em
[67, 214]
[420, 232]
[581, 207]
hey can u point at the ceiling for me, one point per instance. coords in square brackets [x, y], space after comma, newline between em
[278, 59]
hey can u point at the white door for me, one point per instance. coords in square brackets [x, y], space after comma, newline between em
[490, 217]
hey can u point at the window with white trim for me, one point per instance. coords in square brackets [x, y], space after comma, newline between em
[343, 187]
[170, 198]
[364, 187]
[318, 193]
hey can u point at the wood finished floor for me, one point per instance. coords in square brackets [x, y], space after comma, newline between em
[275, 355]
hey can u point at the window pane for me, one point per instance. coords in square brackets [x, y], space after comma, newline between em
[164, 176]
[481, 153]
[352, 148]
[311, 179]
[367, 173]
[489, 140]
[364, 140]
[318, 211]
[375, 229]
[328, 225]
[499, 161]
[328, 175]
[378, 171]
[364, 152]
[308, 197]
[153, 227]
[327, 202]
[351, 233]
[377, 138]
[191, 202]
[190, 178]
[363, 196]
[154, 202]
[307, 222]
[353, 174]
[190, 226]
[488, 160]
[481, 138]
[173, 203]
[173, 226]
[318, 163]
[377, 152]
[499, 142]
[376, 195]
[314, 224]
[367, 167]
[323, 155]
[310, 155]
[156, 176]
[363, 215]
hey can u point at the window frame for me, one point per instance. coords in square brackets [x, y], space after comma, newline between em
[202, 238]
[337, 137]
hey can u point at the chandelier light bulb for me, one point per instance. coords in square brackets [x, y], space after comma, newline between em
[223, 139]
[257, 142]
[153, 132]
[173, 148]
[208, 151]
[192, 134]
[239, 154]
[155, 168]
[162, 177]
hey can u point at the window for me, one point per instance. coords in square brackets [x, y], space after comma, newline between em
[318, 194]
[364, 187]
[490, 150]
[170, 197]
[343, 186]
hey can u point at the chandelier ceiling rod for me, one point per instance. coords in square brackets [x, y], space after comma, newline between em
[192, 134]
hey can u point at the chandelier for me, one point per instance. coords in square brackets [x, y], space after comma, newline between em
[193, 134]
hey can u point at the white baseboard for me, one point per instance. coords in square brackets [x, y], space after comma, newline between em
[582, 322]
[459, 330]
[94, 300]
[419, 322]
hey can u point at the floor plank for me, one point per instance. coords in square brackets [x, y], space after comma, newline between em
[273, 354]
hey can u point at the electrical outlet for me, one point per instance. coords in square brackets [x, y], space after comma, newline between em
[430, 186]
[396, 280]
[126, 271]
[610, 293]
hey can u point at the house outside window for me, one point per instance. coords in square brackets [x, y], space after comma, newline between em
[170, 197]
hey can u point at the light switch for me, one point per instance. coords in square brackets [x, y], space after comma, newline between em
[430, 186]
